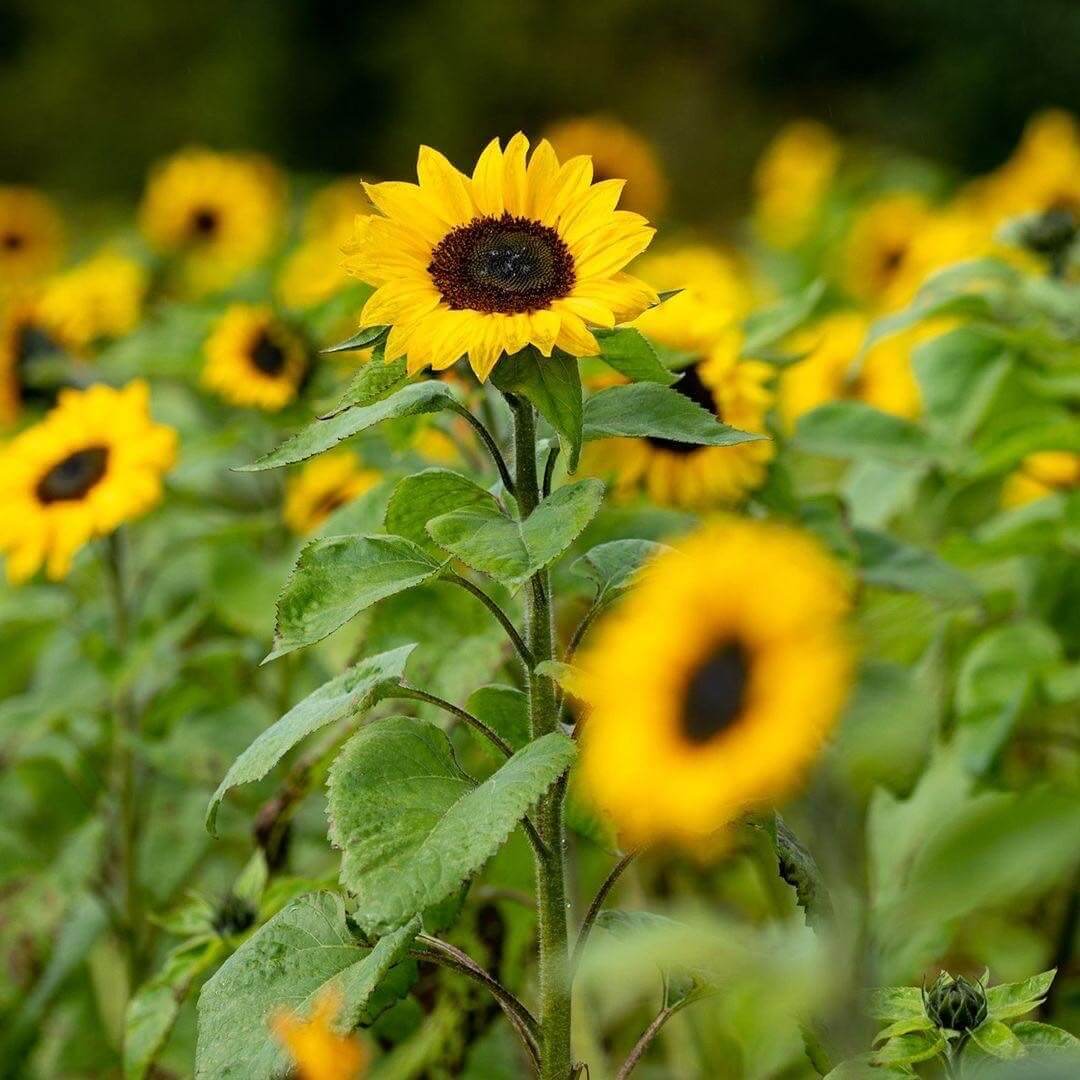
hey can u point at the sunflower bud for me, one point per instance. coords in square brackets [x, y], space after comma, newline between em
[957, 1004]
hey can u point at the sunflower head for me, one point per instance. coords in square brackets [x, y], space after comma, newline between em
[879, 248]
[27, 336]
[317, 1049]
[526, 251]
[253, 358]
[728, 706]
[1040, 475]
[31, 236]
[322, 486]
[94, 462]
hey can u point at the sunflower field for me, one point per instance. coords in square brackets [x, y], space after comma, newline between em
[490, 626]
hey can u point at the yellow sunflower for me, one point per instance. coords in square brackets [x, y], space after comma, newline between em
[95, 461]
[25, 338]
[220, 213]
[522, 253]
[252, 358]
[318, 1050]
[31, 236]
[695, 477]
[727, 707]
[791, 181]
[1040, 475]
[616, 151]
[879, 246]
[322, 485]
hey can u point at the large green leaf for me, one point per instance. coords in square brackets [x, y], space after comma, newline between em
[411, 825]
[630, 353]
[422, 397]
[504, 709]
[284, 966]
[850, 429]
[895, 1003]
[994, 1038]
[648, 409]
[908, 1049]
[889, 562]
[337, 577]
[418, 498]
[352, 692]
[510, 550]
[614, 566]
[1008, 1000]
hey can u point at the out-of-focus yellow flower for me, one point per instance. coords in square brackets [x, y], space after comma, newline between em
[95, 461]
[727, 707]
[433, 444]
[617, 152]
[318, 1051]
[25, 338]
[1040, 475]
[321, 486]
[791, 180]
[878, 248]
[31, 236]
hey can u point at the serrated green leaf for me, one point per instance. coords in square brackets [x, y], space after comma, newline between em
[352, 692]
[630, 353]
[362, 339]
[429, 494]
[373, 382]
[851, 429]
[422, 397]
[285, 965]
[505, 710]
[895, 1003]
[1007, 1000]
[614, 566]
[891, 563]
[650, 410]
[908, 1049]
[994, 1038]
[412, 827]
[511, 551]
[800, 870]
[1036, 1037]
[335, 578]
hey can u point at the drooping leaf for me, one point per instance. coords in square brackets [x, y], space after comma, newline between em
[418, 498]
[613, 566]
[412, 827]
[337, 577]
[630, 353]
[851, 429]
[995, 1038]
[350, 693]
[509, 550]
[891, 563]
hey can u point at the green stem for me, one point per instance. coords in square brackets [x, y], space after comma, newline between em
[555, 1053]
[595, 906]
[500, 615]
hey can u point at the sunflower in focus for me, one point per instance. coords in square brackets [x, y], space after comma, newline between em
[252, 358]
[218, 213]
[526, 251]
[94, 462]
[791, 181]
[317, 1049]
[726, 708]
[31, 236]
[878, 248]
[322, 486]
[616, 151]
[1040, 475]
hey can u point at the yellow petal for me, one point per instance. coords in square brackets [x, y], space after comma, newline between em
[574, 178]
[608, 260]
[515, 188]
[407, 205]
[447, 188]
[541, 176]
[487, 181]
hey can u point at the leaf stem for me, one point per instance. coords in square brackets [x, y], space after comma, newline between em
[549, 469]
[491, 445]
[594, 908]
[504, 619]
[474, 722]
[647, 1036]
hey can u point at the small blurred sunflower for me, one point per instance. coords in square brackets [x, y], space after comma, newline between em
[218, 213]
[322, 486]
[1040, 475]
[727, 707]
[616, 151]
[94, 462]
[527, 251]
[879, 245]
[25, 339]
[317, 1049]
[31, 236]
[253, 358]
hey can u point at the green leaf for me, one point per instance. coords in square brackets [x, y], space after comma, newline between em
[373, 382]
[422, 397]
[553, 385]
[285, 965]
[418, 498]
[630, 353]
[648, 409]
[907, 1049]
[800, 870]
[891, 563]
[895, 1003]
[411, 825]
[505, 710]
[337, 577]
[1014, 999]
[851, 429]
[765, 328]
[1003, 663]
[511, 551]
[994, 1038]
[555, 670]
[353, 692]
[862, 1068]
[904, 1027]
[614, 566]
[1042, 1037]
[362, 339]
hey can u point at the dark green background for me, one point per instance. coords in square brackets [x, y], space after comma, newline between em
[92, 91]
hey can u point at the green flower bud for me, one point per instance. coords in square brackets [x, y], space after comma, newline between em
[957, 1004]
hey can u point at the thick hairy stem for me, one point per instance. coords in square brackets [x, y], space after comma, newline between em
[595, 906]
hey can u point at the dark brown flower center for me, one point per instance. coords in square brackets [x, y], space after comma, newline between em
[506, 264]
[204, 223]
[31, 342]
[268, 356]
[12, 241]
[73, 477]
[715, 693]
[691, 386]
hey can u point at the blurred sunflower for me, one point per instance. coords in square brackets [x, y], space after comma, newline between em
[94, 462]
[322, 486]
[522, 253]
[695, 477]
[317, 1049]
[791, 181]
[252, 358]
[616, 151]
[25, 339]
[31, 236]
[727, 707]
[219, 213]
[878, 247]
[1040, 475]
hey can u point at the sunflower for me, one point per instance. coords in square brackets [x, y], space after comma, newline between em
[25, 339]
[220, 213]
[791, 181]
[878, 248]
[317, 1049]
[96, 460]
[727, 707]
[1040, 475]
[519, 254]
[616, 151]
[322, 485]
[694, 477]
[31, 236]
[252, 358]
